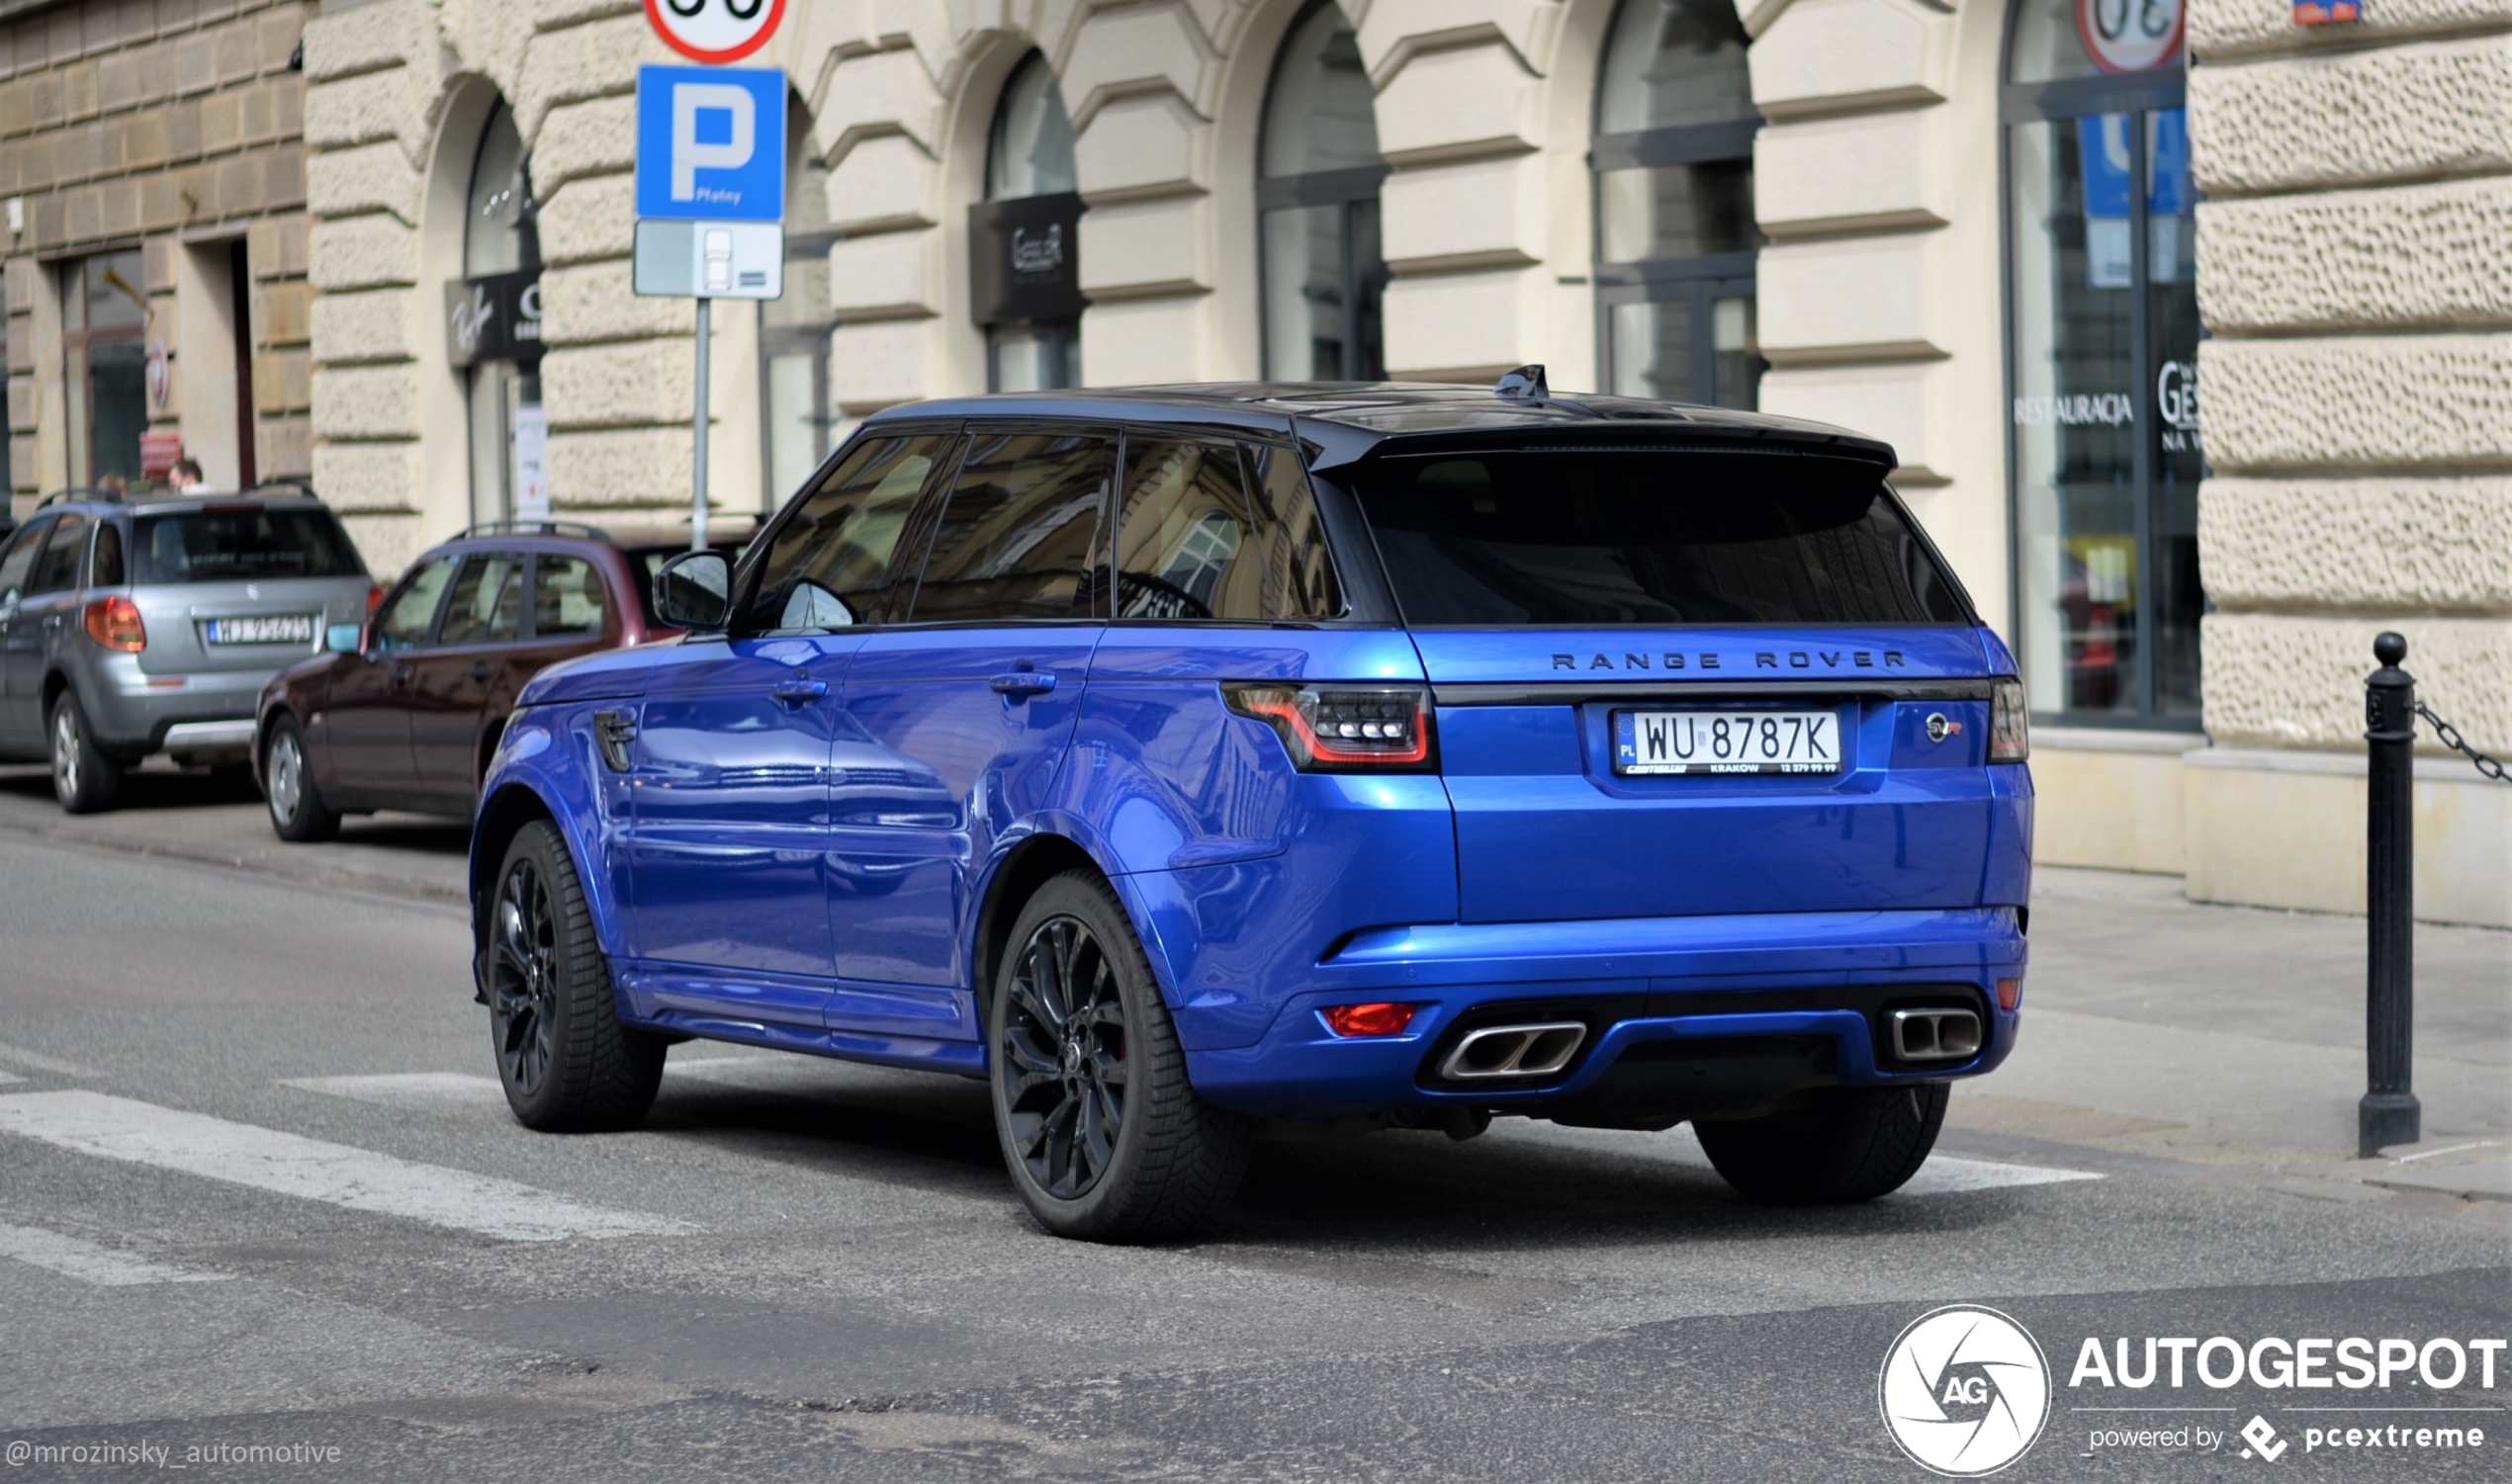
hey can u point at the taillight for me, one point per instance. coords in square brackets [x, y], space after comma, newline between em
[1344, 729]
[115, 623]
[2010, 727]
[1377, 1019]
[374, 599]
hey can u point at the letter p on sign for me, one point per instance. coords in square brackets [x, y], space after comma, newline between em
[690, 154]
[711, 144]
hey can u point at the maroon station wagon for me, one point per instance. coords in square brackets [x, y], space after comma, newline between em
[404, 711]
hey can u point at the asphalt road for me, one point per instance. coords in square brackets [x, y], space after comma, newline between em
[258, 1190]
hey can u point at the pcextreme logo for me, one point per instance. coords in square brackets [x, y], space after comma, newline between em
[1965, 1391]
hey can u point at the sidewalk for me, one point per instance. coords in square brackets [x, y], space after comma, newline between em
[2225, 1037]
[2233, 1036]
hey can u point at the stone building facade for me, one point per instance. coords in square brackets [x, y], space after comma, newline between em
[153, 166]
[1983, 229]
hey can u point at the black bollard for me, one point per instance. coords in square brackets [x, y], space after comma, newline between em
[2389, 1113]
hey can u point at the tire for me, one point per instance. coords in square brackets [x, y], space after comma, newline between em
[566, 1062]
[84, 779]
[297, 812]
[1845, 1144]
[1173, 1160]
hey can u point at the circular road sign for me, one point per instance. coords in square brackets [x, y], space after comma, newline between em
[2122, 36]
[715, 31]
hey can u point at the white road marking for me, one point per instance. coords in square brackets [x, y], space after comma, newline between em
[140, 1133]
[1944, 1175]
[90, 1263]
[407, 1088]
[35, 1061]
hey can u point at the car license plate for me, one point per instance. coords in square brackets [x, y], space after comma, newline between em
[281, 627]
[1727, 741]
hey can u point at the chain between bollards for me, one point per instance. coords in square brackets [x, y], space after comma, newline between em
[2389, 1113]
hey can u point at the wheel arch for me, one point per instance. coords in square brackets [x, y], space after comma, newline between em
[1025, 867]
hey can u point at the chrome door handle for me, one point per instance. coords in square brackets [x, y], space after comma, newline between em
[1022, 684]
[799, 692]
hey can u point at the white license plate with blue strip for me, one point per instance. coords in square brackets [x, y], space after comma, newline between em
[1649, 743]
[268, 628]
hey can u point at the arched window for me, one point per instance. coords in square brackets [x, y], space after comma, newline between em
[2104, 330]
[1317, 195]
[1027, 272]
[1675, 235]
[501, 264]
[795, 421]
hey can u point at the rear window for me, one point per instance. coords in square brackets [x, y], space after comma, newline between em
[1619, 537]
[242, 544]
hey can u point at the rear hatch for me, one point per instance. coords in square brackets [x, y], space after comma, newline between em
[241, 586]
[1680, 680]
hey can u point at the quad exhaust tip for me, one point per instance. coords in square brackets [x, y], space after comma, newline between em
[1497, 1051]
[1936, 1035]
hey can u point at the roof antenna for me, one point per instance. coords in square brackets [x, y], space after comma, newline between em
[1524, 384]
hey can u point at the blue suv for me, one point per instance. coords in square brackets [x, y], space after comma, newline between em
[1185, 761]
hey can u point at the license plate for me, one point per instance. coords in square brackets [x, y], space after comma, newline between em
[1727, 741]
[283, 628]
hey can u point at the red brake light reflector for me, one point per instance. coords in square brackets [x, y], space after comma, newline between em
[374, 599]
[2010, 994]
[115, 623]
[1344, 729]
[1377, 1019]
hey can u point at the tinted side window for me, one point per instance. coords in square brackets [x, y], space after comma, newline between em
[104, 565]
[1299, 581]
[404, 621]
[1018, 537]
[19, 559]
[487, 601]
[1186, 543]
[567, 599]
[826, 565]
[56, 569]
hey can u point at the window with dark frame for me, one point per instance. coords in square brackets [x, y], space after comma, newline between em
[1325, 280]
[1675, 234]
[2103, 332]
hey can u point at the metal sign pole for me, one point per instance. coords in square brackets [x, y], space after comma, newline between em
[697, 497]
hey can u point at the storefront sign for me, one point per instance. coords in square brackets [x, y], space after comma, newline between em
[531, 461]
[1022, 262]
[497, 317]
[2129, 36]
[159, 448]
[2098, 409]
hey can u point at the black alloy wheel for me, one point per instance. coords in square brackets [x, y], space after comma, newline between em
[1103, 1134]
[1063, 1070]
[523, 977]
[565, 1060]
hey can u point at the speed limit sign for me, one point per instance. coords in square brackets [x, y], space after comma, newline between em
[2122, 36]
[715, 31]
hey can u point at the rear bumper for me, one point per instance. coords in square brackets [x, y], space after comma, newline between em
[1686, 1015]
[208, 714]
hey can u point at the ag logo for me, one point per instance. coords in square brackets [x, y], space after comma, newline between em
[1965, 1391]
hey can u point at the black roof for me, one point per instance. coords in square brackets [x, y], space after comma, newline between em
[1346, 419]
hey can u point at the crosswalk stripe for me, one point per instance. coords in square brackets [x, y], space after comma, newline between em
[407, 1088]
[142, 1133]
[88, 1263]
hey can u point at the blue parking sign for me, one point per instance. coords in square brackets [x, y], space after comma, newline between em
[711, 144]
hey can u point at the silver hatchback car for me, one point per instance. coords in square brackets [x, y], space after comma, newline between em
[129, 628]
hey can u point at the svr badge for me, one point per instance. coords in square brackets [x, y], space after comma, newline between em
[1965, 1391]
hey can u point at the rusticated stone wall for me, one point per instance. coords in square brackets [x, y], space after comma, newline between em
[150, 124]
[2355, 271]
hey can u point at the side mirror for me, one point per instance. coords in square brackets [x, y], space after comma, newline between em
[343, 638]
[695, 590]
